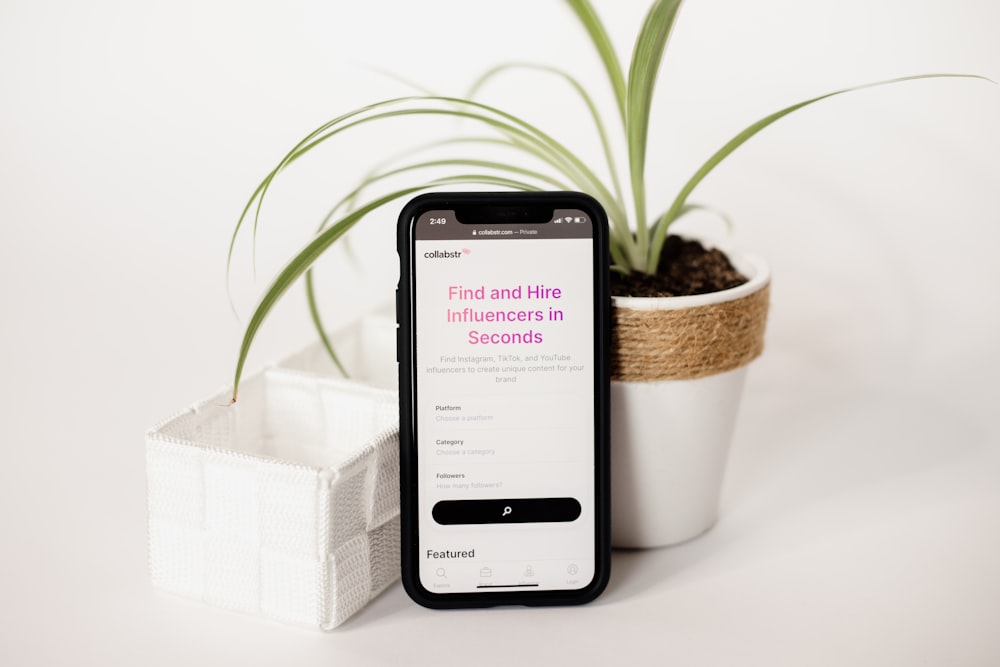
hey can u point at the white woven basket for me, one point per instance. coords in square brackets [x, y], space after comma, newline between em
[285, 505]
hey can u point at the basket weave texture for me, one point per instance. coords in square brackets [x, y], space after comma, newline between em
[285, 505]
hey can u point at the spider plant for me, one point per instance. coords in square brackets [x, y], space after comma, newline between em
[540, 162]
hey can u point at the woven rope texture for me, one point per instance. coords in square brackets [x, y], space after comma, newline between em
[683, 344]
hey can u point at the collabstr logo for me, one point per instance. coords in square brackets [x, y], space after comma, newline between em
[446, 254]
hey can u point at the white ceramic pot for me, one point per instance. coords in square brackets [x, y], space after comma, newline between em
[670, 438]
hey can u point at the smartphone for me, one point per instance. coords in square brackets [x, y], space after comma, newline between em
[503, 327]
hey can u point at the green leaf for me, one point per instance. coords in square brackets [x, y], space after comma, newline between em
[587, 100]
[345, 202]
[318, 324]
[646, 58]
[520, 134]
[524, 136]
[296, 267]
[721, 215]
[663, 224]
[599, 36]
[308, 255]
[258, 194]
[624, 241]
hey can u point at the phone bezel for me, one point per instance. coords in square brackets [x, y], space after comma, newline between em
[409, 519]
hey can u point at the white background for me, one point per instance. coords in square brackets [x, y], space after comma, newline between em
[861, 514]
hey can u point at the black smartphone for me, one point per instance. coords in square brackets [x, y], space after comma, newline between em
[503, 314]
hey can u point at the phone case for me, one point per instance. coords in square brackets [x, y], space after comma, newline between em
[409, 519]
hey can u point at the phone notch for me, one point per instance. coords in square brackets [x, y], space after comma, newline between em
[504, 215]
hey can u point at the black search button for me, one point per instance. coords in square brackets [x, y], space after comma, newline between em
[511, 510]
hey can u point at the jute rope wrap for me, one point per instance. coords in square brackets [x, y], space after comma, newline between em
[688, 343]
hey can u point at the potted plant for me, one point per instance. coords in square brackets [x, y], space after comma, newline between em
[687, 319]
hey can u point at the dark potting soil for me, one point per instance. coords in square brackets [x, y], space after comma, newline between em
[686, 267]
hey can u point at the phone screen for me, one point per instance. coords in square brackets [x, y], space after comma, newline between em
[504, 407]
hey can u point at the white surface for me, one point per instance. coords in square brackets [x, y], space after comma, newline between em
[860, 519]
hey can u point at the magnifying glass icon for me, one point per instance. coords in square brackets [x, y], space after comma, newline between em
[441, 573]
[506, 510]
